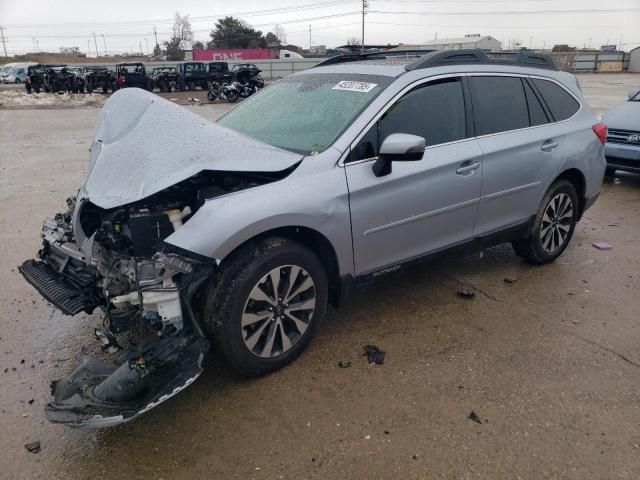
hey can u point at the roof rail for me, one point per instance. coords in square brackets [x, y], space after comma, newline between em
[476, 56]
[356, 57]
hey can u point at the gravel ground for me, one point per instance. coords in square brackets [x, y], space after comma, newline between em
[550, 363]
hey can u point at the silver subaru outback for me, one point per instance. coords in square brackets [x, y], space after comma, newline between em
[236, 235]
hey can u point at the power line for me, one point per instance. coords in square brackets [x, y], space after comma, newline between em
[495, 13]
[272, 11]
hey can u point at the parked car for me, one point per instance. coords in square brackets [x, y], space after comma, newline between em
[243, 231]
[193, 75]
[13, 74]
[98, 78]
[622, 149]
[132, 75]
[165, 79]
[219, 72]
[34, 81]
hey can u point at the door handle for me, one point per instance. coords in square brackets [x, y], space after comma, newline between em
[548, 146]
[468, 168]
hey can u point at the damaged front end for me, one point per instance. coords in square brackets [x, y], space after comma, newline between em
[115, 260]
[108, 252]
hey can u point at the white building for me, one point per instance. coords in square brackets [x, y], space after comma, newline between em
[485, 42]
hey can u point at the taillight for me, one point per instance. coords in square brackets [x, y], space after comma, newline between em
[600, 129]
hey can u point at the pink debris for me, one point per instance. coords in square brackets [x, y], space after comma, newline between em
[602, 246]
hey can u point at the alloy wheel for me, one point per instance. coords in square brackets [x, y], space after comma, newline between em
[278, 311]
[556, 222]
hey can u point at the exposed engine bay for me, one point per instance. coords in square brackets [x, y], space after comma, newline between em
[115, 260]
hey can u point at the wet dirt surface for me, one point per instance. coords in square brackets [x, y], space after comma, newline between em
[549, 362]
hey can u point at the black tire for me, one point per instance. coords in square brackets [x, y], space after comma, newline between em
[229, 294]
[89, 87]
[610, 172]
[27, 87]
[210, 96]
[531, 249]
[36, 89]
[232, 97]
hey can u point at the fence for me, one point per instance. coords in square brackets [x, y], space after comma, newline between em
[600, 62]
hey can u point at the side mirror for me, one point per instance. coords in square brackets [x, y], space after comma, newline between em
[632, 93]
[398, 147]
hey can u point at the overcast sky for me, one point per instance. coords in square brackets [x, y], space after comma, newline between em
[128, 24]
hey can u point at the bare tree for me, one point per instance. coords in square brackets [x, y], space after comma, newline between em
[353, 41]
[280, 33]
[182, 34]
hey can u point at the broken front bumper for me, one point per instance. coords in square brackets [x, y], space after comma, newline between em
[157, 364]
[102, 394]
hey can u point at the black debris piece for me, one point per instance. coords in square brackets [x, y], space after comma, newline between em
[474, 416]
[510, 280]
[466, 293]
[21, 361]
[373, 354]
[33, 447]
[344, 363]
[386, 432]
[30, 402]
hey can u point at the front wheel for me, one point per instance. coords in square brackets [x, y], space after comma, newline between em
[610, 172]
[553, 226]
[265, 305]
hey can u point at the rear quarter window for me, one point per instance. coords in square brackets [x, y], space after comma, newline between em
[561, 104]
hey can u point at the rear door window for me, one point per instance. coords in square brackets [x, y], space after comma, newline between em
[561, 104]
[499, 104]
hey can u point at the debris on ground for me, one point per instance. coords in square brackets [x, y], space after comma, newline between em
[474, 417]
[373, 354]
[33, 447]
[30, 402]
[510, 280]
[466, 293]
[602, 245]
[344, 363]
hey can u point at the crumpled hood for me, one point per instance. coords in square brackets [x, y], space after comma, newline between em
[144, 144]
[625, 116]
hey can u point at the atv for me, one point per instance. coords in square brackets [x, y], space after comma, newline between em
[35, 79]
[219, 72]
[165, 79]
[132, 75]
[98, 77]
[193, 75]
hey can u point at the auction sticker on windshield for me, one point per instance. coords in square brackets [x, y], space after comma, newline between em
[352, 86]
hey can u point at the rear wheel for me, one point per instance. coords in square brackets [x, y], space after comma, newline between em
[266, 305]
[553, 226]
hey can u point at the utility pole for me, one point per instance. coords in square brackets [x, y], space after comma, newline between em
[4, 45]
[104, 42]
[95, 42]
[140, 44]
[33, 39]
[365, 4]
[155, 32]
